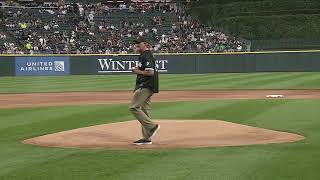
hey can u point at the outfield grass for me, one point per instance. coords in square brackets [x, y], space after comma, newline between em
[293, 161]
[167, 82]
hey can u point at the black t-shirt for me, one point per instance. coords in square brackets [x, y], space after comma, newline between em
[147, 61]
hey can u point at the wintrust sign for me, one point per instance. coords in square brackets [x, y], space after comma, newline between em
[110, 65]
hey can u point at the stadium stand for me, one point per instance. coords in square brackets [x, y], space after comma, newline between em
[262, 19]
[103, 28]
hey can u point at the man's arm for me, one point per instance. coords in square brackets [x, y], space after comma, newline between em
[146, 72]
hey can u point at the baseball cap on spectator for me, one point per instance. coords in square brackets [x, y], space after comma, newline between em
[140, 40]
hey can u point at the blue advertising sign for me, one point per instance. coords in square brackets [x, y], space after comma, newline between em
[42, 66]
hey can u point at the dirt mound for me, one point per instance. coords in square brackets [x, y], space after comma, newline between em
[173, 134]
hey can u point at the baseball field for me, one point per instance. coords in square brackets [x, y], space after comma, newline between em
[36, 106]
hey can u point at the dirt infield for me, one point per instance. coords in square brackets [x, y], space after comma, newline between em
[173, 134]
[76, 98]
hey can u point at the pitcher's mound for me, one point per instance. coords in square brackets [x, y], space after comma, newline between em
[173, 134]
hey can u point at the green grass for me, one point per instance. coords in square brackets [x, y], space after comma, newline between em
[293, 161]
[167, 82]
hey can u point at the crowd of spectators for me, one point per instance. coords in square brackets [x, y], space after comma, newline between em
[78, 28]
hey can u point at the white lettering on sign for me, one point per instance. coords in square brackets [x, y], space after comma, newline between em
[125, 66]
[58, 66]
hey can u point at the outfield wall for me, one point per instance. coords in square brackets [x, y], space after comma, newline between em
[192, 63]
[7, 66]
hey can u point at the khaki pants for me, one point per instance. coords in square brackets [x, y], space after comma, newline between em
[139, 107]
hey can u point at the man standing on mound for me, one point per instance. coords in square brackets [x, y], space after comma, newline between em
[147, 84]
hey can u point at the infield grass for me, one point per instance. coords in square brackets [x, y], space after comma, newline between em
[167, 82]
[293, 161]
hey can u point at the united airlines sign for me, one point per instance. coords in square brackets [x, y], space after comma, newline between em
[110, 65]
[42, 66]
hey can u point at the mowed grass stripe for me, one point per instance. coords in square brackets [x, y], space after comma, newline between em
[199, 165]
[207, 81]
[294, 82]
[170, 80]
[100, 165]
[311, 82]
[42, 114]
[25, 157]
[185, 110]
[267, 81]
[255, 82]
[44, 120]
[167, 82]
[72, 84]
[69, 83]
[294, 113]
[238, 111]
[227, 83]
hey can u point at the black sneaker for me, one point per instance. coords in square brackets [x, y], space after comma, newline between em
[142, 141]
[154, 131]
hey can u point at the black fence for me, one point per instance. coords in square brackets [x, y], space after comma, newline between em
[7, 66]
[171, 63]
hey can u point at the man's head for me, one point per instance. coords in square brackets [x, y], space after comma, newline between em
[141, 45]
